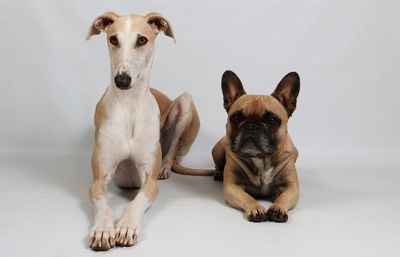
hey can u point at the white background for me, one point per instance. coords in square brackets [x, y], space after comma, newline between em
[346, 125]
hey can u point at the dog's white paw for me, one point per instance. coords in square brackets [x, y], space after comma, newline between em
[165, 170]
[102, 237]
[127, 232]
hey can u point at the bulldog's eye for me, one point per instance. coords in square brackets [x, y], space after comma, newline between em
[236, 118]
[114, 40]
[141, 41]
[272, 121]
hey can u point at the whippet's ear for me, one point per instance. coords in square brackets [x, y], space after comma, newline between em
[100, 23]
[232, 88]
[287, 91]
[159, 23]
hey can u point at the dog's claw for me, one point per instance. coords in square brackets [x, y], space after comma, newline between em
[127, 236]
[165, 170]
[164, 174]
[102, 240]
[258, 214]
[276, 214]
[127, 233]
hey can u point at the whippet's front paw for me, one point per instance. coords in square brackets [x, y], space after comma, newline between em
[257, 214]
[102, 237]
[165, 170]
[127, 233]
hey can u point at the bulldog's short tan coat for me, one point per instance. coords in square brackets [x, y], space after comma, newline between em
[256, 157]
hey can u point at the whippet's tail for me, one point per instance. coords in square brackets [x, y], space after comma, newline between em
[176, 167]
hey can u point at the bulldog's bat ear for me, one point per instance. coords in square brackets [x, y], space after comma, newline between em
[232, 88]
[158, 23]
[287, 91]
[101, 23]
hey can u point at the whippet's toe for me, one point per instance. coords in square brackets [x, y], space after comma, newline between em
[127, 236]
[165, 172]
[102, 240]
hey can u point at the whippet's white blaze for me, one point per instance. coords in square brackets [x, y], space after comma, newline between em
[129, 119]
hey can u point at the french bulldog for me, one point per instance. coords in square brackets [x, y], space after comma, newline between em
[256, 158]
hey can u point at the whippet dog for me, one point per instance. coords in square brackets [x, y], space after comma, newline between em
[140, 132]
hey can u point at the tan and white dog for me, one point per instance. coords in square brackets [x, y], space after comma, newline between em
[129, 119]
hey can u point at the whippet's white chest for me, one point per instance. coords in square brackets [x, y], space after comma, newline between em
[131, 130]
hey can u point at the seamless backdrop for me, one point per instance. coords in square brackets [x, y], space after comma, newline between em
[346, 125]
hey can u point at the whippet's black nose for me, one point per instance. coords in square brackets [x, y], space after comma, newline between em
[123, 81]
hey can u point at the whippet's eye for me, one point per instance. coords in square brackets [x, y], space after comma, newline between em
[114, 40]
[141, 41]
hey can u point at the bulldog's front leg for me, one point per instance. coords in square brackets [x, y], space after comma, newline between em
[289, 197]
[129, 226]
[235, 196]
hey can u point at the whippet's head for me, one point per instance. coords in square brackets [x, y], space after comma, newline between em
[130, 40]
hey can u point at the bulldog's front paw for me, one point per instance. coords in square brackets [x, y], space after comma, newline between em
[102, 237]
[257, 214]
[276, 214]
[127, 233]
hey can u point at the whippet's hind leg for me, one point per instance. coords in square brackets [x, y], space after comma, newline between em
[179, 131]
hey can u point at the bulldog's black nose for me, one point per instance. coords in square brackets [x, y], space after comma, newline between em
[123, 81]
[252, 127]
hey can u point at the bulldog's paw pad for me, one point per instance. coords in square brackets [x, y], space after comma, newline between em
[127, 235]
[277, 215]
[102, 240]
[258, 214]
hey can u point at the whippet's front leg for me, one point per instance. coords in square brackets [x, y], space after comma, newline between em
[128, 227]
[102, 234]
[178, 132]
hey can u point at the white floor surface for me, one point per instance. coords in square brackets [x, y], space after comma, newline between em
[349, 206]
